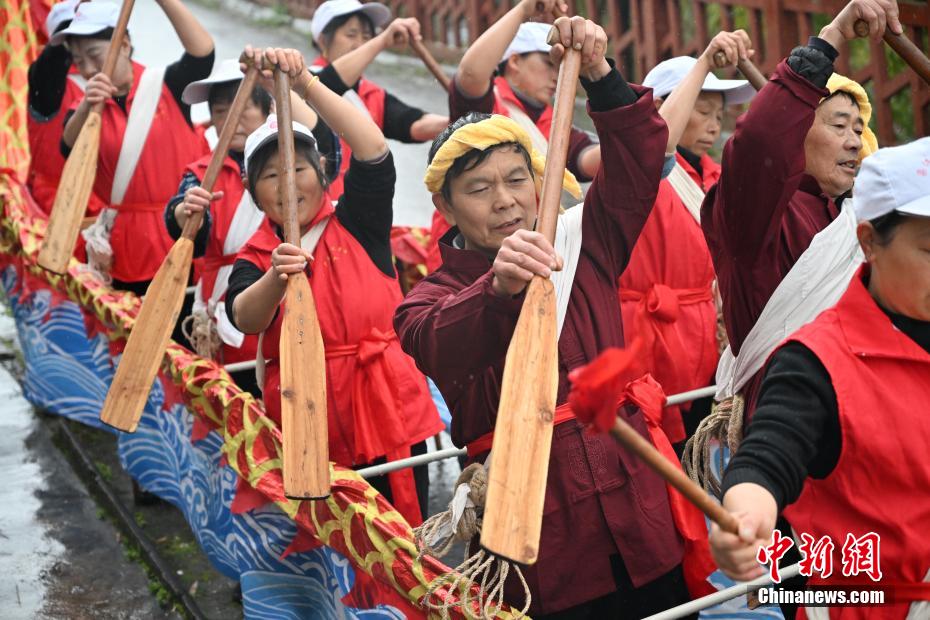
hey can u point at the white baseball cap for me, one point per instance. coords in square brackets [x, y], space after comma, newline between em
[269, 132]
[60, 13]
[331, 9]
[223, 71]
[668, 74]
[895, 178]
[89, 18]
[531, 37]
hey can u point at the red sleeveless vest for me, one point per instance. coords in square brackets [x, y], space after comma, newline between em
[881, 481]
[47, 162]
[222, 212]
[139, 238]
[378, 402]
[668, 286]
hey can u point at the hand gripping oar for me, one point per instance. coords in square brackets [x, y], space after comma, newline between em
[523, 431]
[145, 347]
[430, 62]
[904, 47]
[77, 177]
[303, 358]
[749, 70]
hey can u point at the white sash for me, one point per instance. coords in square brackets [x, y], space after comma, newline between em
[815, 283]
[540, 143]
[308, 242]
[78, 80]
[245, 222]
[688, 191]
[138, 125]
[568, 246]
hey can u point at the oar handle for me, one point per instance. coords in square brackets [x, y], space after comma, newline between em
[192, 225]
[672, 474]
[286, 157]
[559, 134]
[904, 47]
[116, 42]
[749, 70]
[430, 62]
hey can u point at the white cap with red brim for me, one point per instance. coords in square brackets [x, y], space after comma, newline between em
[223, 72]
[60, 13]
[531, 37]
[895, 178]
[331, 9]
[268, 132]
[89, 18]
[668, 74]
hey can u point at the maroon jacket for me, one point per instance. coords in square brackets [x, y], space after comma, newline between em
[600, 499]
[764, 211]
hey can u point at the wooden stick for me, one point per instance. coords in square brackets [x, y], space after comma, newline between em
[523, 431]
[643, 448]
[79, 172]
[904, 47]
[303, 358]
[145, 347]
[746, 67]
[430, 63]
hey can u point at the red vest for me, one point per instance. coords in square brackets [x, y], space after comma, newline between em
[503, 93]
[378, 403]
[373, 97]
[139, 238]
[881, 481]
[45, 148]
[222, 212]
[667, 289]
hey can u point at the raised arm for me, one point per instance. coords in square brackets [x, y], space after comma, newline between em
[194, 37]
[476, 70]
[398, 33]
[677, 107]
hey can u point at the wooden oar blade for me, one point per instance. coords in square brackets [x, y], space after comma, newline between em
[303, 396]
[77, 181]
[148, 339]
[523, 431]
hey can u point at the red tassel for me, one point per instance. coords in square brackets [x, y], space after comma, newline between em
[303, 541]
[246, 498]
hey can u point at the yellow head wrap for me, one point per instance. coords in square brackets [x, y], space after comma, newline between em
[483, 135]
[839, 82]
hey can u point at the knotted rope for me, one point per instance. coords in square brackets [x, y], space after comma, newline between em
[724, 424]
[200, 330]
[461, 522]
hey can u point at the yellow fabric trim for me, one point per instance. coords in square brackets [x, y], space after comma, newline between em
[839, 82]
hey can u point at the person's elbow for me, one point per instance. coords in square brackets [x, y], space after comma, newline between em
[470, 84]
[589, 162]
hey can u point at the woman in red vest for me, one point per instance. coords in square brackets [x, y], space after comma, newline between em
[344, 34]
[54, 85]
[231, 217]
[838, 439]
[667, 289]
[137, 149]
[507, 71]
[377, 401]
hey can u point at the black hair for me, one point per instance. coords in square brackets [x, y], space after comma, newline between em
[260, 158]
[62, 26]
[225, 92]
[502, 66]
[842, 93]
[887, 225]
[104, 35]
[472, 158]
[338, 22]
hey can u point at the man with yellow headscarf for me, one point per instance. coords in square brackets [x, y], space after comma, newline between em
[609, 547]
[786, 170]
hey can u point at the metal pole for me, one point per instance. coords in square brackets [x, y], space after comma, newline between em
[413, 461]
[687, 397]
[740, 589]
[249, 365]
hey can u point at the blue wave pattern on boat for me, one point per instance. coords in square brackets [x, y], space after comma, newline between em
[68, 373]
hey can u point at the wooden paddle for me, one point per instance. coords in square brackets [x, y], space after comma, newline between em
[523, 431]
[430, 62]
[904, 47]
[77, 177]
[749, 70]
[159, 313]
[303, 359]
